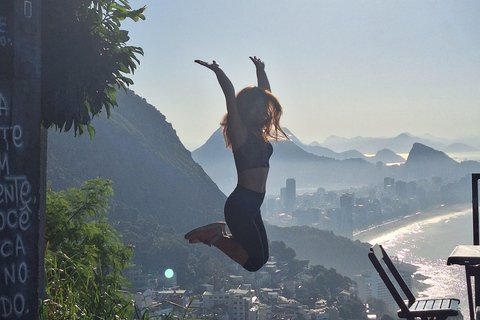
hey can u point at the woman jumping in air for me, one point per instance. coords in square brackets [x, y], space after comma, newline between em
[253, 117]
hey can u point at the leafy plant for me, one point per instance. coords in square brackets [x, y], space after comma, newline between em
[85, 58]
[84, 257]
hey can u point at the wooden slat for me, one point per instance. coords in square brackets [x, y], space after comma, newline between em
[414, 306]
[445, 304]
[437, 304]
[429, 304]
[420, 305]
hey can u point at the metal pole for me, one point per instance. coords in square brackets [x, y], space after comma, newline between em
[475, 178]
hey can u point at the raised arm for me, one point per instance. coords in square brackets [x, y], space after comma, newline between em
[225, 84]
[261, 75]
[238, 133]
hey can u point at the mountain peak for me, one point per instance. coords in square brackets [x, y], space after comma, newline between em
[422, 155]
[404, 135]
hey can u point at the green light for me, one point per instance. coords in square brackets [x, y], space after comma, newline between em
[168, 273]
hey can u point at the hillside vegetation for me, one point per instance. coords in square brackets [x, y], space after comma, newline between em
[323, 247]
[154, 176]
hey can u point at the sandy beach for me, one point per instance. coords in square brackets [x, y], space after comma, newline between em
[390, 226]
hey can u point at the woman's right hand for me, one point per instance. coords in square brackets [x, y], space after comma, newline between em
[259, 64]
[212, 66]
[225, 83]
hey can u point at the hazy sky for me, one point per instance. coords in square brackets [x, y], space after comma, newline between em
[345, 68]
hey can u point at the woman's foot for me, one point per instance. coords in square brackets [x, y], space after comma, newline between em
[207, 234]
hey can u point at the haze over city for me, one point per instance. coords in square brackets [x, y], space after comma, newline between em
[344, 68]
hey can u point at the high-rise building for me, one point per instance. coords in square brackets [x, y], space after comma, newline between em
[401, 190]
[307, 217]
[411, 189]
[345, 227]
[360, 209]
[389, 186]
[290, 196]
[388, 183]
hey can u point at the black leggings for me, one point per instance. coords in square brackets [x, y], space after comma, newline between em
[242, 214]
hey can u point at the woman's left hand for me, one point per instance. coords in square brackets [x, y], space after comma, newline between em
[212, 66]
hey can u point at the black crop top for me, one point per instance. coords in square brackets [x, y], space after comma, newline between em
[255, 153]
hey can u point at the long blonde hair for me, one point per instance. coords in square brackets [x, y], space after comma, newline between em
[269, 126]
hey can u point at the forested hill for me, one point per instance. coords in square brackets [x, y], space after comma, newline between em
[154, 176]
[323, 247]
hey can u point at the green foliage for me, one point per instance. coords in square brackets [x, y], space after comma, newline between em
[380, 308]
[280, 250]
[323, 247]
[324, 284]
[286, 254]
[84, 257]
[352, 309]
[158, 248]
[84, 59]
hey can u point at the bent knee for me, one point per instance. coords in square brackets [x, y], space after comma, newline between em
[253, 266]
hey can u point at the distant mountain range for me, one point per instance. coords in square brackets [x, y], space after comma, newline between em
[399, 144]
[383, 155]
[315, 166]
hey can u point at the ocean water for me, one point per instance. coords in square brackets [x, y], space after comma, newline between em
[427, 245]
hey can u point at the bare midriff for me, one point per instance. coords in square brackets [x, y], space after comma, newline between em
[254, 179]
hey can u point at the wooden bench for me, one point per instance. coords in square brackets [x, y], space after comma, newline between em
[411, 308]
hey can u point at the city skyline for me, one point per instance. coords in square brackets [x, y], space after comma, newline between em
[339, 68]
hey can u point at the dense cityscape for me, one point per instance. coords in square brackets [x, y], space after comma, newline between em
[355, 209]
[278, 291]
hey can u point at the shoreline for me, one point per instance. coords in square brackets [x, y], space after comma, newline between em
[393, 225]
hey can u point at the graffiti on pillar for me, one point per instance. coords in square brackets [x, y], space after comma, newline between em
[6, 45]
[3, 106]
[15, 220]
[19, 186]
[5, 37]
